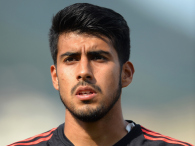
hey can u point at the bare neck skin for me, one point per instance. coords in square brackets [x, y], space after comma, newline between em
[107, 131]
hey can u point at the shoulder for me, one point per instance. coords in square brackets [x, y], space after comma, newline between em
[154, 138]
[141, 136]
[37, 140]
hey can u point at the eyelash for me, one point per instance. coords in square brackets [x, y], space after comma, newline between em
[92, 57]
[98, 57]
[70, 59]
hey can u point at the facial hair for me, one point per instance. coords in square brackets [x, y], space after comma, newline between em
[92, 115]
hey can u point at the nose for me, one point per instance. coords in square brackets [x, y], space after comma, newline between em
[84, 71]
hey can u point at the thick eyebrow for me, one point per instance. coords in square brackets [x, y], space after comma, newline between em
[90, 53]
[100, 52]
[69, 54]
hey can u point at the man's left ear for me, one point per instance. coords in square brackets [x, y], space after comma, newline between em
[127, 73]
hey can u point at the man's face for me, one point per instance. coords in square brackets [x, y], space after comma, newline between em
[88, 75]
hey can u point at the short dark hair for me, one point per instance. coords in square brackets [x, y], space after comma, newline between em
[94, 20]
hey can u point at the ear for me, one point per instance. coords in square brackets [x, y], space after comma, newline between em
[127, 74]
[54, 77]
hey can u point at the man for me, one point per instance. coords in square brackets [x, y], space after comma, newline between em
[90, 47]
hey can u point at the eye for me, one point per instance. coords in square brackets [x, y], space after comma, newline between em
[70, 59]
[98, 57]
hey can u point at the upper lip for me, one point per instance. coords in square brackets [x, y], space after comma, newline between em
[84, 88]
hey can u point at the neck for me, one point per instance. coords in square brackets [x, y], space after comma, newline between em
[106, 131]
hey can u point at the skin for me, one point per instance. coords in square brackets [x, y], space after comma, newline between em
[76, 63]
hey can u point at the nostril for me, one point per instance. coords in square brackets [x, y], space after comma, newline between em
[83, 77]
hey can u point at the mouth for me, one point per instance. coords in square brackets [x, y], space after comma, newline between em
[85, 93]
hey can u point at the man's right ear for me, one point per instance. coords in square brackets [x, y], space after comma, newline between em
[54, 77]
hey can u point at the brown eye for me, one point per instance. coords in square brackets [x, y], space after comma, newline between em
[98, 57]
[69, 59]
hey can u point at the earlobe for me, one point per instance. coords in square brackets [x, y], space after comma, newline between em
[54, 77]
[127, 74]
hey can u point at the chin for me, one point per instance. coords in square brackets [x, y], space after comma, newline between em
[89, 113]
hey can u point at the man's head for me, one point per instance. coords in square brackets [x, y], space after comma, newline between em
[94, 20]
[90, 47]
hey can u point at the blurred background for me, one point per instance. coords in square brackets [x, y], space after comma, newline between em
[161, 96]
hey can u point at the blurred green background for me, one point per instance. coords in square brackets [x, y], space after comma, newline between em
[161, 96]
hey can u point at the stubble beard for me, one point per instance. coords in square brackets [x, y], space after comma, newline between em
[93, 114]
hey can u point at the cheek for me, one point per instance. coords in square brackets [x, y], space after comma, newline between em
[65, 74]
[109, 78]
[113, 80]
[64, 80]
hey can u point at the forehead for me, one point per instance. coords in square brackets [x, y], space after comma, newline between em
[74, 40]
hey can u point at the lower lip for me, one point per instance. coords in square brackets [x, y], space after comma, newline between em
[86, 97]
